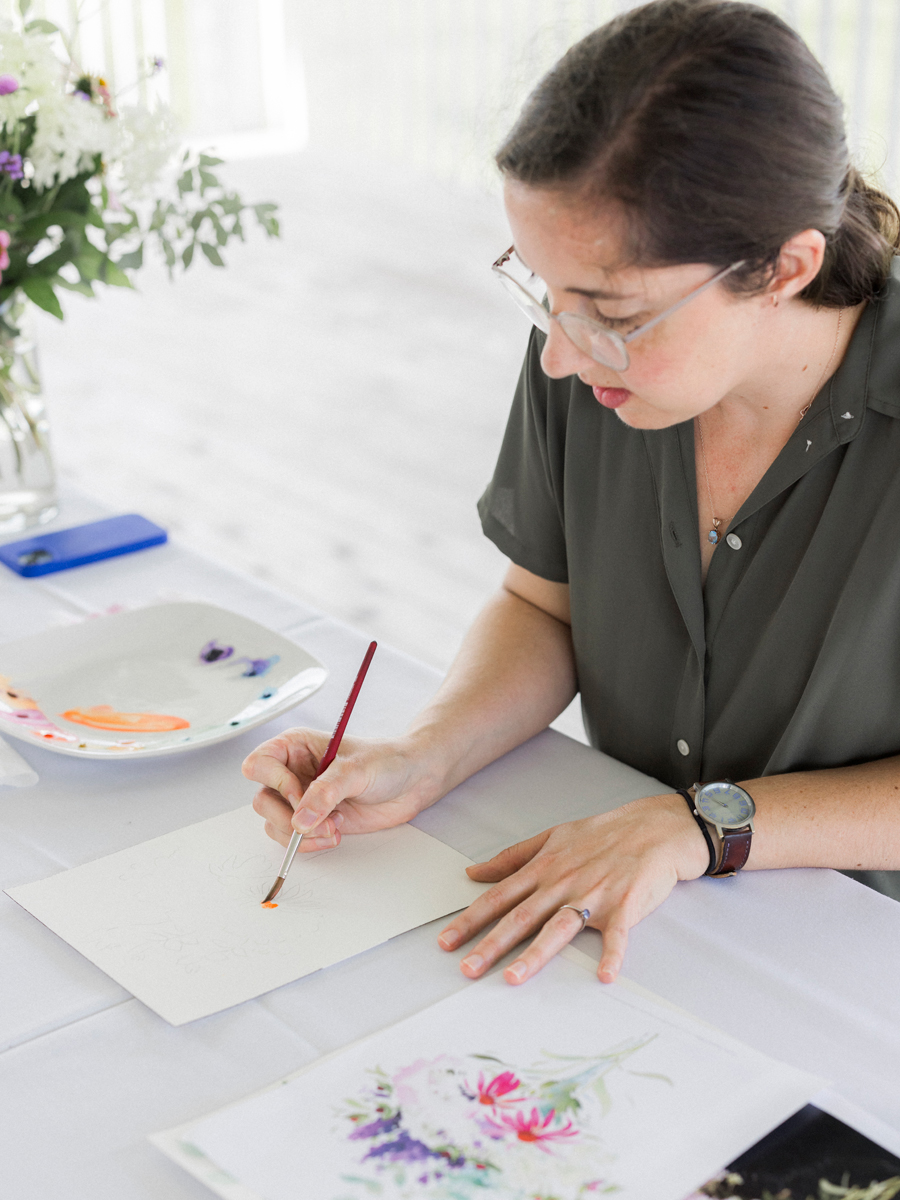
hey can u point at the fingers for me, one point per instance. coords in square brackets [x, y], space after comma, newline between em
[502, 898]
[512, 859]
[615, 942]
[555, 934]
[277, 813]
[309, 844]
[268, 765]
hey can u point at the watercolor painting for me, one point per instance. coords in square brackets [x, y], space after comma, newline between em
[451, 1128]
[564, 1089]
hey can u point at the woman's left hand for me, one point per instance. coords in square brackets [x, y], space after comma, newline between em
[619, 865]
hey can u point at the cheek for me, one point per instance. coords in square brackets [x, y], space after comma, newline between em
[675, 369]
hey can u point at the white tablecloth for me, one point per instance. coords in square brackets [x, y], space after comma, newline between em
[802, 964]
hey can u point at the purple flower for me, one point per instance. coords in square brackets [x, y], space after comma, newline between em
[212, 651]
[8, 85]
[11, 164]
[374, 1128]
[408, 1149]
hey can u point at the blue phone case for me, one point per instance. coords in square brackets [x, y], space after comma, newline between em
[81, 544]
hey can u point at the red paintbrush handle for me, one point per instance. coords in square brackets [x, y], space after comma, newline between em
[335, 744]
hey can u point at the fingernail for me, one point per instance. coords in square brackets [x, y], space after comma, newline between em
[516, 971]
[473, 963]
[448, 939]
[338, 819]
[303, 820]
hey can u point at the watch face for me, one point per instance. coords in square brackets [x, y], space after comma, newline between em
[725, 804]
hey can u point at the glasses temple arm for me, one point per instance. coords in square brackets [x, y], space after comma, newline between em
[684, 299]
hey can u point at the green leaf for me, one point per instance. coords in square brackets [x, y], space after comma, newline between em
[133, 259]
[210, 160]
[186, 182]
[89, 262]
[113, 275]
[212, 254]
[188, 257]
[262, 209]
[79, 286]
[40, 290]
[24, 6]
[169, 252]
[41, 26]
[207, 181]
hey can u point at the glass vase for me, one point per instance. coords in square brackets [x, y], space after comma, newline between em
[27, 477]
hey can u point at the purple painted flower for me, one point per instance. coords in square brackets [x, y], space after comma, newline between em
[8, 85]
[11, 164]
[213, 652]
[375, 1128]
[409, 1149]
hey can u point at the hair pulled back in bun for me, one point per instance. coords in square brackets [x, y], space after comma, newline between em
[718, 133]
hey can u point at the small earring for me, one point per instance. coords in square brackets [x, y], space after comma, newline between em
[774, 299]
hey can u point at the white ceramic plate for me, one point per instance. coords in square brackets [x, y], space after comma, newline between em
[149, 682]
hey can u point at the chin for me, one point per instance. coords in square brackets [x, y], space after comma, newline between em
[643, 416]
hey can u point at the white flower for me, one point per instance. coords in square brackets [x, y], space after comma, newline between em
[146, 141]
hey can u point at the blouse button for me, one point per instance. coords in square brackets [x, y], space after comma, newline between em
[734, 541]
[683, 747]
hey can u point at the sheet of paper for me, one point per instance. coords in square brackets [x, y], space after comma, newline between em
[562, 1087]
[178, 920]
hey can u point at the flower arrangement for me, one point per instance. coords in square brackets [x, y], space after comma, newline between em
[449, 1128]
[87, 180]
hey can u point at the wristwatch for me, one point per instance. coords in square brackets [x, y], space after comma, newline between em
[729, 810]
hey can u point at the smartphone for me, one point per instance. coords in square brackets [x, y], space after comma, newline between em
[81, 544]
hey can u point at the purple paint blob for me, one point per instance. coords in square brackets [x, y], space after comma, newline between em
[8, 85]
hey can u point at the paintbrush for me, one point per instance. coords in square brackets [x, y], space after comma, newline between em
[327, 759]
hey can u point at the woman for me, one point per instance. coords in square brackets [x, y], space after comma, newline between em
[701, 507]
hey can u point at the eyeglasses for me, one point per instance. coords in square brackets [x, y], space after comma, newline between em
[602, 344]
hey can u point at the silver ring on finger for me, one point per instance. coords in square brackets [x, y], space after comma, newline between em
[584, 913]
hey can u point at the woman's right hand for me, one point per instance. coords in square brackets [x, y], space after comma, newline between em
[372, 784]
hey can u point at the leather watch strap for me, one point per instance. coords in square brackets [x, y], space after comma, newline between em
[710, 845]
[735, 851]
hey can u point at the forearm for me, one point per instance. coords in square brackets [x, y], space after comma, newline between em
[843, 817]
[513, 675]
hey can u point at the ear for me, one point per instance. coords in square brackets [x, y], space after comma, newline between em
[798, 264]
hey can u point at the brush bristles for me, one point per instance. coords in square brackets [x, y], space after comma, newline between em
[276, 888]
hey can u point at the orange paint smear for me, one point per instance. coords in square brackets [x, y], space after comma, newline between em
[102, 716]
[269, 904]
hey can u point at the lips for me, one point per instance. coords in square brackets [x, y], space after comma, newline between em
[611, 397]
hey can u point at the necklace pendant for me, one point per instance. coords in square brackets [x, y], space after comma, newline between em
[713, 535]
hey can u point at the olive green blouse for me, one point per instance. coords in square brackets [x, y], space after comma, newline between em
[789, 658]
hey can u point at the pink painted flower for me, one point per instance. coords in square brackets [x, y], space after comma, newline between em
[496, 1093]
[530, 1128]
[4, 247]
[8, 85]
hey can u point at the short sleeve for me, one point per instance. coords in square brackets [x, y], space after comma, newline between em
[521, 510]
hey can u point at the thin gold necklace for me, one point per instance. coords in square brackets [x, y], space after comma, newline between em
[713, 535]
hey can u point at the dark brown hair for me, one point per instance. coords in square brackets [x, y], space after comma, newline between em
[713, 126]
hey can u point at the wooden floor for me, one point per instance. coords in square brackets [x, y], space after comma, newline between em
[325, 412]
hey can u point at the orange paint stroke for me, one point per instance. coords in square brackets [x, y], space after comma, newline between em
[269, 904]
[102, 716]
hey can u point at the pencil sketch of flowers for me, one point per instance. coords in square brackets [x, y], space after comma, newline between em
[453, 1128]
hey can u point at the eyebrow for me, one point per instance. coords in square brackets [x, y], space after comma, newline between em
[590, 293]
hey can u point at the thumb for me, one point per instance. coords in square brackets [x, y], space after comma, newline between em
[508, 861]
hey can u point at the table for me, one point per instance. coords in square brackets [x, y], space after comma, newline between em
[801, 964]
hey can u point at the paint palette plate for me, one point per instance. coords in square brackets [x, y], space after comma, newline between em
[154, 681]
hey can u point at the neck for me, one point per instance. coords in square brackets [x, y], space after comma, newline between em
[799, 349]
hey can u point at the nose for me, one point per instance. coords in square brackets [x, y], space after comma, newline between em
[560, 356]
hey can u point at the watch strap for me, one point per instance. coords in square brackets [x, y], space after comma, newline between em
[735, 851]
[713, 856]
